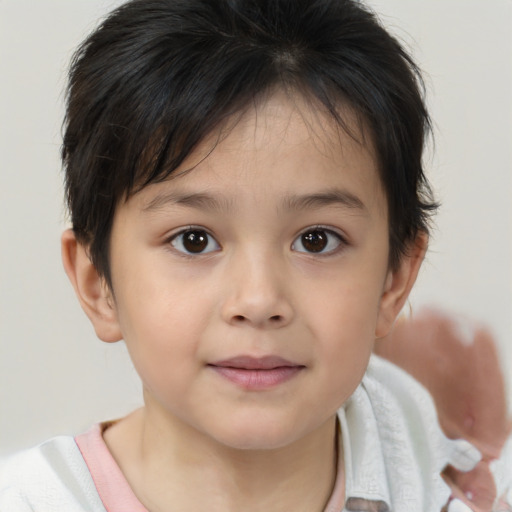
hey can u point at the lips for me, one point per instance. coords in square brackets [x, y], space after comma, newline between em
[257, 373]
[255, 363]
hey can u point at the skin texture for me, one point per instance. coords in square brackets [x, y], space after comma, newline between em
[457, 361]
[278, 173]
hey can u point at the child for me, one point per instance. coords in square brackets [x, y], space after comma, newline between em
[249, 214]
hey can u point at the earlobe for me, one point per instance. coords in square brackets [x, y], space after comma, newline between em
[398, 285]
[91, 289]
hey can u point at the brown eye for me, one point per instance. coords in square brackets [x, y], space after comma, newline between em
[194, 241]
[314, 241]
[317, 241]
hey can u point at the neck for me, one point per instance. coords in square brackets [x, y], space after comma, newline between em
[171, 466]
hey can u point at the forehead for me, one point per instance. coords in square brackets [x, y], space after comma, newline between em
[284, 146]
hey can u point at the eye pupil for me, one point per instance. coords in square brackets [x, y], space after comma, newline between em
[314, 241]
[195, 241]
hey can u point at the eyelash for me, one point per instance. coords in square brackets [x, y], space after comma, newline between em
[340, 241]
[178, 237]
[317, 232]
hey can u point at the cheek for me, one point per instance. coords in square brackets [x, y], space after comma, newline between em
[160, 305]
[162, 329]
[344, 306]
[347, 345]
[344, 329]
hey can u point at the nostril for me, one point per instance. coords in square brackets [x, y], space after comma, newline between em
[274, 319]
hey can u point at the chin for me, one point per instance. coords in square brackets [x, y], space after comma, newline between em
[257, 436]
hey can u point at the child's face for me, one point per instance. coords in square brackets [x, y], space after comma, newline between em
[249, 291]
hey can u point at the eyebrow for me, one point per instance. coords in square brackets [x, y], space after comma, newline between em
[334, 197]
[199, 201]
[295, 202]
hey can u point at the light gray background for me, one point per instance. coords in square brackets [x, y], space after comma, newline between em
[56, 377]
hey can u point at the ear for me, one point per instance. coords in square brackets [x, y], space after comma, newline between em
[398, 285]
[91, 289]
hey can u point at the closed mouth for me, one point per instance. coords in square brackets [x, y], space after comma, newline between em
[257, 373]
[255, 363]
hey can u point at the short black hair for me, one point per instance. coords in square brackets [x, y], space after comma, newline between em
[158, 76]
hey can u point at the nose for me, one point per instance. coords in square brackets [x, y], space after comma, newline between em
[258, 293]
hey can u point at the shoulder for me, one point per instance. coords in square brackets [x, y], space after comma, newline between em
[395, 396]
[393, 432]
[400, 401]
[52, 476]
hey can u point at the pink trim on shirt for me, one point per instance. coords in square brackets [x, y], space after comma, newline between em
[113, 489]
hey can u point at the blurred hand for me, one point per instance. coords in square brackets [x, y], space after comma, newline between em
[457, 361]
